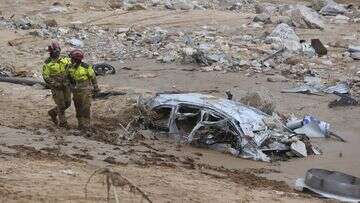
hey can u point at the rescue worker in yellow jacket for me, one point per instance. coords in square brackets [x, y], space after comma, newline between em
[83, 83]
[54, 75]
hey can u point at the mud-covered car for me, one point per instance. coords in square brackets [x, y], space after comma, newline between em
[208, 120]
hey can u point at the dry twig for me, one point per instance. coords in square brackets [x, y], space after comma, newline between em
[115, 179]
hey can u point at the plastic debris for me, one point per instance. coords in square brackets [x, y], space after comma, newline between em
[309, 126]
[207, 120]
[331, 184]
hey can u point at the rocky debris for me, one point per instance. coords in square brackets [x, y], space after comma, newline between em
[116, 161]
[51, 23]
[319, 4]
[332, 9]
[57, 9]
[307, 49]
[133, 5]
[286, 36]
[266, 8]
[304, 17]
[260, 99]
[75, 42]
[235, 5]
[340, 19]
[180, 5]
[284, 19]
[115, 4]
[7, 70]
[264, 18]
[23, 23]
[354, 52]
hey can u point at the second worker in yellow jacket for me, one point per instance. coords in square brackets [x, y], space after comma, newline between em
[83, 83]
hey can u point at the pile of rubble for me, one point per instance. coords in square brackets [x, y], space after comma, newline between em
[182, 4]
[208, 47]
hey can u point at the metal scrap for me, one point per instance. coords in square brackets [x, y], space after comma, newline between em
[331, 184]
[208, 120]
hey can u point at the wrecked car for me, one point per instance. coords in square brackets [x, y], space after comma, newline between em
[207, 120]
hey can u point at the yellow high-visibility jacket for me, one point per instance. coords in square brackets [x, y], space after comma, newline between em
[55, 68]
[81, 75]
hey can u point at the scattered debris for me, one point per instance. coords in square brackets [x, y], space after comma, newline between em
[312, 128]
[209, 121]
[331, 184]
[103, 69]
[144, 75]
[313, 85]
[75, 42]
[354, 52]
[57, 9]
[69, 172]
[299, 148]
[309, 126]
[343, 100]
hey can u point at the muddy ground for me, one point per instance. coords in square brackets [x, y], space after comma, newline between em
[41, 163]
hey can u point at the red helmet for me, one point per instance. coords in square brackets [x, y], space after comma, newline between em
[54, 47]
[77, 55]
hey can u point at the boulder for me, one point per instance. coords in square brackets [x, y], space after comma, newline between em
[265, 18]
[285, 35]
[304, 17]
[332, 9]
[319, 4]
[284, 19]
